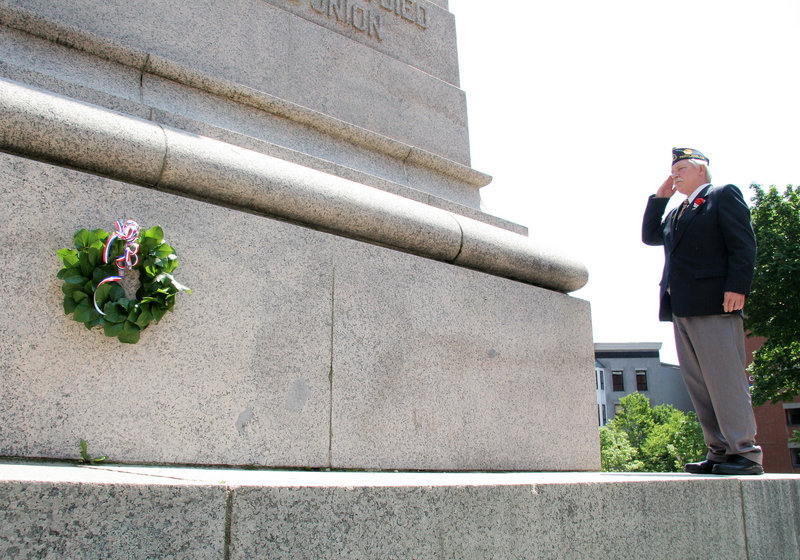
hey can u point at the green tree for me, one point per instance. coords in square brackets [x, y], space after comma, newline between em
[616, 452]
[634, 418]
[773, 308]
[645, 439]
[689, 443]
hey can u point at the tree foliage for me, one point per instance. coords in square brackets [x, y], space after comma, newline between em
[617, 455]
[773, 308]
[644, 439]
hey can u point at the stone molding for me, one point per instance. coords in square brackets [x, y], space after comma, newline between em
[147, 63]
[51, 128]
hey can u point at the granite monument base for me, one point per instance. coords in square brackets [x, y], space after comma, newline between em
[296, 348]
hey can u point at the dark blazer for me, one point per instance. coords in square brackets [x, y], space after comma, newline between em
[710, 251]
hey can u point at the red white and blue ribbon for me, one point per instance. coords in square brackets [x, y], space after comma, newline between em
[128, 232]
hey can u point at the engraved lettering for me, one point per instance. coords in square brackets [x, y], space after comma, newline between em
[361, 18]
[338, 8]
[408, 10]
[422, 16]
[358, 17]
[375, 26]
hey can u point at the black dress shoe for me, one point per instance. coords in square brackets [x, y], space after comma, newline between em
[703, 467]
[736, 464]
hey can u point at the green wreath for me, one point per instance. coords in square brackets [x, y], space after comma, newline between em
[97, 302]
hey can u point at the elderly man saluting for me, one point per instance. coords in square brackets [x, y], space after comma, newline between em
[710, 250]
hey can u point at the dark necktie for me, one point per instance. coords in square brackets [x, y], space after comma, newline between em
[683, 208]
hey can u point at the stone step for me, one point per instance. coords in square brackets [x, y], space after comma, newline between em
[65, 511]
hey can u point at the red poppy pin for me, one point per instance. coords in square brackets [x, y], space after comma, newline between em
[697, 203]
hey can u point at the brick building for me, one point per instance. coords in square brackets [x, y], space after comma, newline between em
[776, 422]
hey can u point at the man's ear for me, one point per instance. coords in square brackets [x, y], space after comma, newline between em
[701, 172]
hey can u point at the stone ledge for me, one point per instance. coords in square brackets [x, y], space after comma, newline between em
[404, 178]
[51, 128]
[59, 510]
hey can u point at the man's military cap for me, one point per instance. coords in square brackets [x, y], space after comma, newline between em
[687, 153]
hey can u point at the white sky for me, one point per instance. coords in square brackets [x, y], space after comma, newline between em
[574, 107]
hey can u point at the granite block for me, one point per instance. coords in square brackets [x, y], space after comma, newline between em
[404, 102]
[82, 76]
[80, 517]
[218, 111]
[275, 187]
[455, 169]
[73, 91]
[379, 94]
[644, 519]
[58, 130]
[445, 187]
[69, 65]
[276, 402]
[349, 162]
[106, 512]
[443, 368]
[238, 374]
[508, 254]
[80, 39]
[283, 323]
[423, 37]
[771, 535]
[47, 126]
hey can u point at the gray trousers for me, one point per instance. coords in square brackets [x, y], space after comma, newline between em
[712, 359]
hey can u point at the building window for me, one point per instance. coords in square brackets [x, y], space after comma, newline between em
[616, 377]
[793, 416]
[600, 380]
[795, 451]
[641, 380]
[605, 419]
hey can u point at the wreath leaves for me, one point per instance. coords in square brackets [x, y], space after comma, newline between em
[83, 269]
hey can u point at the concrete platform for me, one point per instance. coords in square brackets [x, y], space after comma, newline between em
[65, 511]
